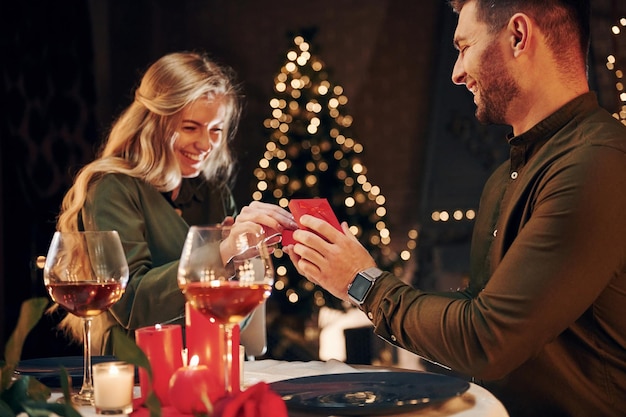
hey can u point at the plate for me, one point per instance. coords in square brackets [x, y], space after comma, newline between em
[367, 393]
[48, 370]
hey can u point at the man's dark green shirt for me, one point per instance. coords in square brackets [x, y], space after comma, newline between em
[543, 321]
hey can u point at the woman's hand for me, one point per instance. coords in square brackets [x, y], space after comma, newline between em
[328, 257]
[267, 215]
[258, 219]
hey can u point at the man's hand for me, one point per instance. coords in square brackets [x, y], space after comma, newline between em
[328, 257]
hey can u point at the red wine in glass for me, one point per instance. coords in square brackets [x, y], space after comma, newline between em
[85, 273]
[85, 299]
[225, 272]
[227, 302]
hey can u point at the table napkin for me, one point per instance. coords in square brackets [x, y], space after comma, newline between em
[270, 370]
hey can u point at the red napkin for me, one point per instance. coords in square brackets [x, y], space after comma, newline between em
[257, 401]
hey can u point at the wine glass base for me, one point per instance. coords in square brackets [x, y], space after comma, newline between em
[78, 400]
[85, 398]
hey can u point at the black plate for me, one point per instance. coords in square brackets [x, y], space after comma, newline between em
[367, 393]
[47, 370]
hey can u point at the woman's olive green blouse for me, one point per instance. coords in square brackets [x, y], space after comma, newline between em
[152, 229]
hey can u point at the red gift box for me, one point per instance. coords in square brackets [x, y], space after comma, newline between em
[317, 207]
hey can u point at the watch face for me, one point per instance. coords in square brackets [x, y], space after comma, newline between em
[359, 287]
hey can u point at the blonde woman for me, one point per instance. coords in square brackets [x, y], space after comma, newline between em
[166, 165]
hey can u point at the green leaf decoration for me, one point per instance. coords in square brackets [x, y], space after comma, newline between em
[34, 409]
[26, 394]
[64, 408]
[125, 349]
[5, 410]
[30, 313]
[17, 394]
[37, 391]
[66, 381]
[153, 405]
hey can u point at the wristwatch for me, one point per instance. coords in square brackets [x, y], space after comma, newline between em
[362, 283]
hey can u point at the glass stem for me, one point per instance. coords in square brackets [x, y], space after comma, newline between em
[228, 358]
[86, 391]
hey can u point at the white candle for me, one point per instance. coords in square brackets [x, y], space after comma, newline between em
[113, 387]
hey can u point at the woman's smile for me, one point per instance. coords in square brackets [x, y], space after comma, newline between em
[200, 131]
[194, 157]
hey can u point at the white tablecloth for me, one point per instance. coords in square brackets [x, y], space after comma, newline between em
[475, 402]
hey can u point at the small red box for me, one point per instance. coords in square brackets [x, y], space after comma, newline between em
[317, 207]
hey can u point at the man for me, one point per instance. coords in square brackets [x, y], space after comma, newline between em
[543, 321]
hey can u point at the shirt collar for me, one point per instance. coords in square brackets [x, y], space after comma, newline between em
[190, 189]
[533, 139]
[548, 127]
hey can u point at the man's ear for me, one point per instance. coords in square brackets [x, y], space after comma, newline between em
[520, 31]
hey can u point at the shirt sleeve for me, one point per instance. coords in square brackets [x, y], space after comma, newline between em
[560, 249]
[152, 235]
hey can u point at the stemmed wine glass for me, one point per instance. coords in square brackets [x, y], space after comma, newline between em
[225, 272]
[86, 273]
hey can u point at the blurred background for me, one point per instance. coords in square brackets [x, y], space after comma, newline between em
[401, 156]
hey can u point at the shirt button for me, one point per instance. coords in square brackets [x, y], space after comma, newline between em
[495, 233]
[393, 338]
[370, 315]
[514, 175]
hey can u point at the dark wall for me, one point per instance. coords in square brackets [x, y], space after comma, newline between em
[48, 130]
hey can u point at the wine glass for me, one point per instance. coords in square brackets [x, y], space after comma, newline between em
[86, 273]
[225, 272]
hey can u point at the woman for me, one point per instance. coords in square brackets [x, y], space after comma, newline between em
[166, 165]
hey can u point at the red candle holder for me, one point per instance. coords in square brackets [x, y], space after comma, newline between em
[204, 339]
[163, 345]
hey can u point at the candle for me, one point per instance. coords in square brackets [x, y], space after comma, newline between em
[163, 345]
[113, 387]
[191, 387]
[205, 339]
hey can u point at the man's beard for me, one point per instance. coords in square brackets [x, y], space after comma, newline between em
[497, 88]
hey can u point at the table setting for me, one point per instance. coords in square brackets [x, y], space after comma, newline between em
[473, 401]
[461, 398]
[224, 277]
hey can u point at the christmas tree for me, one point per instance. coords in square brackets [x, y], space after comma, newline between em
[312, 153]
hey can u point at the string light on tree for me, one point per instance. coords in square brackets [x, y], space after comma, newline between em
[311, 153]
[617, 65]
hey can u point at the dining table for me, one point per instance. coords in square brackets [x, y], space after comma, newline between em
[475, 401]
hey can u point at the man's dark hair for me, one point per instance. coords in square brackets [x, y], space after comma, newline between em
[562, 21]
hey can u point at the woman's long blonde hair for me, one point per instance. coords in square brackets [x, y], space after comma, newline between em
[140, 143]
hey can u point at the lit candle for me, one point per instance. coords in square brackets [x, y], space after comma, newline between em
[205, 339]
[163, 345]
[113, 387]
[191, 387]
